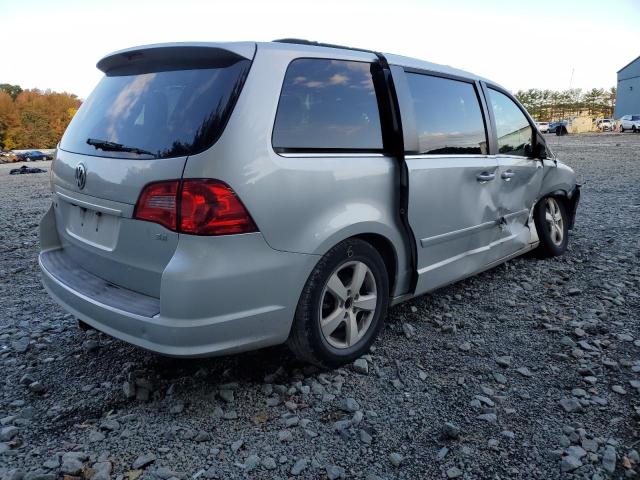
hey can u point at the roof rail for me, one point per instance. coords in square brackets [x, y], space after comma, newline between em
[301, 41]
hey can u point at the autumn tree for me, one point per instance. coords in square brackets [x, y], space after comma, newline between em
[33, 118]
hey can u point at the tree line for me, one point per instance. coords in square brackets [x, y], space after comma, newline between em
[34, 118]
[550, 105]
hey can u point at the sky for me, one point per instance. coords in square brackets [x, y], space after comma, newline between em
[520, 44]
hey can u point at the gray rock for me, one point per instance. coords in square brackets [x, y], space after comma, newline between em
[129, 389]
[504, 361]
[299, 466]
[442, 453]
[202, 436]
[110, 425]
[396, 459]
[53, 462]
[269, 463]
[226, 395]
[251, 462]
[409, 330]
[71, 466]
[569, 464]
[454, 472]
[90, 345]
[619, 390]
[488, 417]
[349, 405]
[361, 366]
[101, 471]
[451, 431]
[237, 445]
[609, 459]
[13, 474]
[20, 346]
[8, 433]
[334, 472]
[37, 387]
[95, 436]
[571, 405]
[143, 461]
[285, 436]
[365, 437]
[500, 378]
[576, 451]
[524, 371]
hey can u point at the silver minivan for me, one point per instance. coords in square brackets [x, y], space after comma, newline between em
[211, 198]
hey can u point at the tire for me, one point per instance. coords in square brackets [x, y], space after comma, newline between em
[329, 348]
[553, 232]
[633, 129]
[621, 129]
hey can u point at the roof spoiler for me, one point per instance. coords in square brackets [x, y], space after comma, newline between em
[175, 56]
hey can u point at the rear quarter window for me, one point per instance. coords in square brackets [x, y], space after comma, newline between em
[327, 105]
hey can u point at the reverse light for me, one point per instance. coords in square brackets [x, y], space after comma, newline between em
[194, 206]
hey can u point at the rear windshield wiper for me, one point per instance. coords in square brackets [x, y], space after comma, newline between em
[117, 147]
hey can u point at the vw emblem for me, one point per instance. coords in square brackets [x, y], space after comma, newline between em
[81, 175]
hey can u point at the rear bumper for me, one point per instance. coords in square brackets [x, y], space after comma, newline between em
[219, 295]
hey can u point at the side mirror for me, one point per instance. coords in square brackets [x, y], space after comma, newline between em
[540, 151]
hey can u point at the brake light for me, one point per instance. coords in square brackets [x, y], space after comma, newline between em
[194, 206]
[210, 207]
[157, 203]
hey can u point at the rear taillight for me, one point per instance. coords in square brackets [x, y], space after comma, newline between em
[158, 203]
[194, 206]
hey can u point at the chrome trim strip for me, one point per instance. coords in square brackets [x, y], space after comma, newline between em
[89, 205]
[426, 242]
[427, 157]
[329, 155]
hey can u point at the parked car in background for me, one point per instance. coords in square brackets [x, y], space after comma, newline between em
[253, 194]
[630, 122]
[559, 128]
[543, 127]
[33, 155]
[605, 124]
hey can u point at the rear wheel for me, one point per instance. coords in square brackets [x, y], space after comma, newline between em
[550, 216]
[342, 306]
[621, 129]
[634, 129]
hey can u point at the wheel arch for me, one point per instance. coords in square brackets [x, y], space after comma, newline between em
[381, 237]
[388, 253]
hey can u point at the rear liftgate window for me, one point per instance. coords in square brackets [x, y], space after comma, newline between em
[168, 111]
[327, 105]
[448, 116]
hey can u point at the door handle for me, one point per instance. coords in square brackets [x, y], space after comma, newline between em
[508, 175]
[485, 176]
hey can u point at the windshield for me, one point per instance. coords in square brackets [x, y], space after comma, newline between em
[156, 113]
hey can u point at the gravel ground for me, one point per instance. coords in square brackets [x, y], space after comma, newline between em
[530, 370]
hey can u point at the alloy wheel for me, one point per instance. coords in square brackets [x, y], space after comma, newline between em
[348, 304]
[555, 223]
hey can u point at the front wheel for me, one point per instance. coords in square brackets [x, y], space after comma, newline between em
[550, 217]
[634, 129]
[342, 306]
